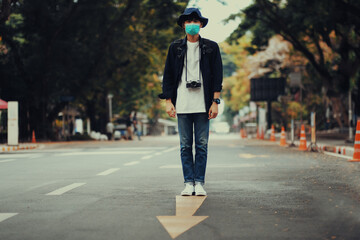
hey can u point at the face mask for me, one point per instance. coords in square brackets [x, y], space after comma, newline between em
[192, 28]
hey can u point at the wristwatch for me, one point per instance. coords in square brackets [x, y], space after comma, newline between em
[216, 100]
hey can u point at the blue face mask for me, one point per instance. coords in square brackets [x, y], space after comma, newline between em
[192, 28]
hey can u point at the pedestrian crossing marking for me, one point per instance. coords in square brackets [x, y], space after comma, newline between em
[4, 216]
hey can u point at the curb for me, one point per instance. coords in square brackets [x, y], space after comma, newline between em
[341, 150]
[5, 148]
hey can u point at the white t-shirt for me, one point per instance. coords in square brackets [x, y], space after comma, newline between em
[191, 100]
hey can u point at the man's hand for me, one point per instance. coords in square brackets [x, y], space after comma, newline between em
[213, 112]
[170, 109]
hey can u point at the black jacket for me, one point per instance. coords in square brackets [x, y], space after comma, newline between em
[210, 65]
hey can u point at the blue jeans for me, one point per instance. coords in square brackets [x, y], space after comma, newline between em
[194, 171]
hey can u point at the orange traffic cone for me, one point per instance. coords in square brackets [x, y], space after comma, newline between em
[33, 140]
[282, 138]
[356, 157]
[241, 133]
[272, 136]
[303, 145]
[257, 133]
[245, 134]
[262, 136]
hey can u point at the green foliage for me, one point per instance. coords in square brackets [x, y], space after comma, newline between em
[327, 33]
[85, 49]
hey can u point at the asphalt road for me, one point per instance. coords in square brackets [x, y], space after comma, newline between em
[116, 190]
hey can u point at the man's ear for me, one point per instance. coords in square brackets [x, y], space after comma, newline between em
[201, 24]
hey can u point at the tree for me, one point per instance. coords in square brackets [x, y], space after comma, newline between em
[62, 50]
[325, 32]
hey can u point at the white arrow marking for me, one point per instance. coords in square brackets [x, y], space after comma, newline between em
[184, 219]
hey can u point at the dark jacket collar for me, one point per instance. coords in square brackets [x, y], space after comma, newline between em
[184, 40]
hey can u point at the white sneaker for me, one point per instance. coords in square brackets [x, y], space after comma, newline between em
[189, 189]
[199, 190]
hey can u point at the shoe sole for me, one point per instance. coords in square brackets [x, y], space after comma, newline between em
[200, 194]
[185, 194]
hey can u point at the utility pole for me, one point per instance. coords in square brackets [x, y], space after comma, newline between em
[110, 96]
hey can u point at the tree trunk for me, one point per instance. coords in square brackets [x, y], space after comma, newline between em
[339, 112]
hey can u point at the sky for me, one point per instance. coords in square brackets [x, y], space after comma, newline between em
[216, 12]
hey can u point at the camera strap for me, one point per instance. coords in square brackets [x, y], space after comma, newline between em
[186, 64]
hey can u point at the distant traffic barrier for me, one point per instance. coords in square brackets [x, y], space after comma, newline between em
[302, 145]
[272, 136]
[18, 148]
[356, 156]
[282, 137]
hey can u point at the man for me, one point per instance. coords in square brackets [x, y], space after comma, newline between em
[191, 86]
[109, 130]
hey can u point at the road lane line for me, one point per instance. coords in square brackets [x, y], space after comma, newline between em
[338, 155]
[107, 172]
[4, 216]
[131, 163]
[239, 165]
[158, 153]
[7, 160]
[17, 155]
[103, 153]
[131, 148]
[41, 185]
[147, 157]
[65, 189]
[170, 149]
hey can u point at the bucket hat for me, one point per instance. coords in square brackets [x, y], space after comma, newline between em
[191, 11]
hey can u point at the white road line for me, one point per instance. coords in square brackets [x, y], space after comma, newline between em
[171, 166]
[147, 157]
[103, 153]
[131, 163]
[107, 172]
[7, 160]
[245, 165]
[41, 185]
[17, 155]
[170, 149]
[338, 155]
[158, 153]
[65, 189]
[4, 216]
[131, 148]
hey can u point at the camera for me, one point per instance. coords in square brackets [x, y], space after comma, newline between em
[193, 84]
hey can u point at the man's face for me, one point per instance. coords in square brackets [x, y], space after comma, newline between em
[192, 20]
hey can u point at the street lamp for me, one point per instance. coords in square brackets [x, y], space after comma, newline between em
[110, 96]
